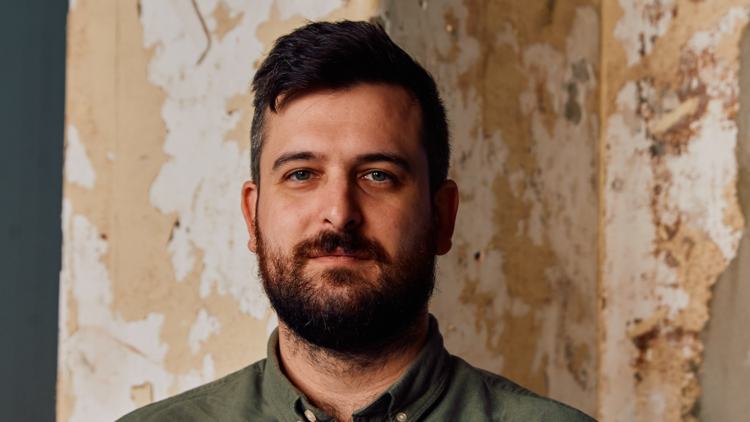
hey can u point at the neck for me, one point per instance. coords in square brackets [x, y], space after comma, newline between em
[339, 385]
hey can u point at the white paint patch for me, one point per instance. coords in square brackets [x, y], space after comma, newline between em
[629, 241]
[78, 168]
[643, 22]
[201, 330]
[105, 356]
[700, 177]
[310, 10]
[203, 178]
[181, 249]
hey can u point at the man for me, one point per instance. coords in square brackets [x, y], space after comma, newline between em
[348, 208]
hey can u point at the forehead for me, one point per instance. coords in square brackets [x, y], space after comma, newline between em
[367, 118]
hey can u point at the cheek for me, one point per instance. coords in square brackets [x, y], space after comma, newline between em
[284, 222]
[397, 224]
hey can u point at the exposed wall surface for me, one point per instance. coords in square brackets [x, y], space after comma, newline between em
[520, 79]
[158, 290]
[725, 374]
[594, 145]
[671, 222]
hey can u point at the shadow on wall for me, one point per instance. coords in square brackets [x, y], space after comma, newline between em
[725, 375]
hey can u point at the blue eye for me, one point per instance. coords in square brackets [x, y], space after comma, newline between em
[301, 175]
[377, 176]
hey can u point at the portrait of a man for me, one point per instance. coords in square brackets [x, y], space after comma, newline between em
[375, 211]
[348, 208]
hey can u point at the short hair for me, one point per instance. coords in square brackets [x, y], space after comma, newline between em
[341, 55]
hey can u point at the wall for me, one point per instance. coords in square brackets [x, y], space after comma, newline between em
[158, 291]
[593, 143]
[725, 373]
[32, 88]
[520, 80]
[671, 221]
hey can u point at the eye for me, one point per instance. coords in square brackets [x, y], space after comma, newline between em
[300, 175]
[377, 176]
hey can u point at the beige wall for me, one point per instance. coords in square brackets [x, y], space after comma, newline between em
[159, 293]
[593, 143]
[520, 79]
[671, 222]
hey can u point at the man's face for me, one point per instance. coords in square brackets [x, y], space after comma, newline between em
[344, 222]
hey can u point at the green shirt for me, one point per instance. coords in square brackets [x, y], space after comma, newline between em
[436, 387]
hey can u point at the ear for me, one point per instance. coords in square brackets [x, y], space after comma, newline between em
[445, 204]
[249, 210]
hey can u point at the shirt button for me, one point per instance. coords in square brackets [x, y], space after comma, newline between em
[401, 417]
[311, 416]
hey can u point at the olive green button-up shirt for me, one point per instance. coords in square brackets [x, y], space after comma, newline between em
[436, 387]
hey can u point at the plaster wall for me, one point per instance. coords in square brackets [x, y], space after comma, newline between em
[671, 222]
[158, 290]
[520, 80]
[593, 144]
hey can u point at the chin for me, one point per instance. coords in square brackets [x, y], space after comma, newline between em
[346, 277]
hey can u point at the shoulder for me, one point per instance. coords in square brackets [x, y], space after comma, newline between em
[507, 401]
[224, 399]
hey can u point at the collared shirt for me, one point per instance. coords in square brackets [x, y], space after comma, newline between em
[436, 387]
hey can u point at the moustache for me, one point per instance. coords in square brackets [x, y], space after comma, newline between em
[351, 243]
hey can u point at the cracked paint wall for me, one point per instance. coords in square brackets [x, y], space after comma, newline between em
[671, 222]
[158, 290]
[520, 80]
[593, 144]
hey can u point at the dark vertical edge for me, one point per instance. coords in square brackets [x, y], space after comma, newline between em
[32, 92]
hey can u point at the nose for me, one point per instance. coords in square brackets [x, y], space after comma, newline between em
[340, 208]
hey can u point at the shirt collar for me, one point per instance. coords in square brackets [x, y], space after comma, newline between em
[412, 394]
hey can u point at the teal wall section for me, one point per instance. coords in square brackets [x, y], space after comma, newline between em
[32, 88]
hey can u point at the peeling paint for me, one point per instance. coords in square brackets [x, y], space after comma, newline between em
[642, 23]
[202, 329]
[142, 394]
[520, 82]
[195, 378]
[669, 187]
[78, 169]
[102, 342]
[224, 21]
[159, 293]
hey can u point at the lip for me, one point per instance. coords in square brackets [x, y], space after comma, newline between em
[338, 256]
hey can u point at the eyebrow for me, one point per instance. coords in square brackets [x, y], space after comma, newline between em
[294, 156]
[291, 157]
[388, 158]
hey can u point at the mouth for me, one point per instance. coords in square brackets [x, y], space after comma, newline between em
[339, 257]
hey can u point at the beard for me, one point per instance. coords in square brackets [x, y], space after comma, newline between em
[348, 312]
